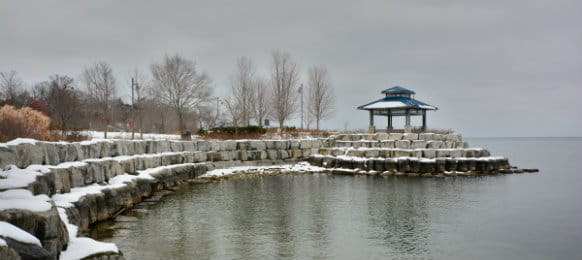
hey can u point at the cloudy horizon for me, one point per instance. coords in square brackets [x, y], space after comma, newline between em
[494, 68]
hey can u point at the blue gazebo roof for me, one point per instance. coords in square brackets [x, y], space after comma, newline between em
[396, 103]
[398, 90]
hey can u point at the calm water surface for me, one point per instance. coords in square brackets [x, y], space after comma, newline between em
[521, 216]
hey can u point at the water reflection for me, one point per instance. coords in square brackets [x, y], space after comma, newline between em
[360, 217]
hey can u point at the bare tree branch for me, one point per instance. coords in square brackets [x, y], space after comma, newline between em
[102, 88]
[178, 84]
[10, 85]
[242, 89]
[261, 100]
[284, 80]
[321, 99]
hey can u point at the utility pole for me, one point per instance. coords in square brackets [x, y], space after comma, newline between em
[217, 112]
[132, 111]
[133, 84]
[301, 105]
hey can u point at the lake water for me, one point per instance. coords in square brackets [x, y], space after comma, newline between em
[519, 216]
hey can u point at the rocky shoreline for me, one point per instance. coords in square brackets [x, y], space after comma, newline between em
[55, 191]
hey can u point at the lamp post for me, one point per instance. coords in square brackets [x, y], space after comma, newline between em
[301, 89]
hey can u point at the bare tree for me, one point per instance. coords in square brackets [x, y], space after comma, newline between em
[321, 98]
[178, 84]
[102, 89]
[242, 89]
[261, 99]
[284, 87]
[10, 85]
[62, 101]
[233, 109]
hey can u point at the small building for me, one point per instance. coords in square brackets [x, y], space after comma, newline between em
[398, 101]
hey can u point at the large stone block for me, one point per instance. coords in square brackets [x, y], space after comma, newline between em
[401, 153]
[7, 157]
[429, 153]
[296, 153]
[455, 137]
[295, 144]
[371, 153]
[203, 146]
[281, 144]
[27, 154]
[451, 164]
[442, 153]
[427, 166]
[414, 165]
[418, 144]
[435, 144]
[426, 136]
[402, 144]
[403, 165]
[410, 136]
[305, 144]
[257, 145]
[438, 137]
[390, 164]
[387, 143]
[272, 154]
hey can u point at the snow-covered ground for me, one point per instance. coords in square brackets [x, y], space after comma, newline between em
[127, 135]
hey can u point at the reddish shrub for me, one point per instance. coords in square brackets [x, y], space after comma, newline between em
[37, 105]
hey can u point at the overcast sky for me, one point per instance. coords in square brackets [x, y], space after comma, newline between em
[494, 68]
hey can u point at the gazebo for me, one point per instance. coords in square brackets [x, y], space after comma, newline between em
[398, 101]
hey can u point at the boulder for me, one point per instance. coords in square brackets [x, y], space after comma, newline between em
[46, 226]
[8, 253]
[410, 136]
[426, 136]
[7, 157]
[390, 164]
[305, 144]
[417, 144]
[387, 143]
[395, 136]
[455, 137]
[371, 153]
[27, 251]
[402, 144]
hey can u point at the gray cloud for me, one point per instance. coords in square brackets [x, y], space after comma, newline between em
[494, 68]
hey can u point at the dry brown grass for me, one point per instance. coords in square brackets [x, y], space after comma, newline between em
[25, 123]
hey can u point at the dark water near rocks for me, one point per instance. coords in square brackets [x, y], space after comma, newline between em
[520, 216]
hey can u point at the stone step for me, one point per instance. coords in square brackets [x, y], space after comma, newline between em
[403, 144]
[61, 178]
[395, 152]
[25, 152]
[412, 164]
[398, 136]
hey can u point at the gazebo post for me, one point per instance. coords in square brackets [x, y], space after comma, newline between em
[407, 126]
[371, 128]
[389, 121]
[423, 120]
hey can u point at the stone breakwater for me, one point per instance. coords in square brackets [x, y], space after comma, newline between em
[53, 191]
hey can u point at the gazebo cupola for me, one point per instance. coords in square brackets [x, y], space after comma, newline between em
[398, 101]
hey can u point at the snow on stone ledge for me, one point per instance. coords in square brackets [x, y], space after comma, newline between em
[14, 177]
[14, 232]
[81, 247]
[298, 167]
[23, 199]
